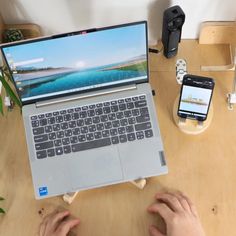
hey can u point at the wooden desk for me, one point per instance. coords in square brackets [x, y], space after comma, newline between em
[203, 166]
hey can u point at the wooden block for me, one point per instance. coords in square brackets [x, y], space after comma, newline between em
[140, 183]
[69, 197]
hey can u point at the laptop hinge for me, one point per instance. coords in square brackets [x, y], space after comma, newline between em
[83, 96]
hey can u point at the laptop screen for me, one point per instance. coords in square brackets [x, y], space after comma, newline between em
[78, 61]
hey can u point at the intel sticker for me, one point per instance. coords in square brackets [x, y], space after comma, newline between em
[43, 191]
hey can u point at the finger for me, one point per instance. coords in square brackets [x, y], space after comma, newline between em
[165, 212]
[59, 216]
[191, 205]
[42, 228]
[171, 200]
[52, 220]
[184, 203]
[66, 226]
[154, 231]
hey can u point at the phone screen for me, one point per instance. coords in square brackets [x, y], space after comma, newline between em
[194, 101]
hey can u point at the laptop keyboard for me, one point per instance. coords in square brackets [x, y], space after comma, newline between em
[92, 126]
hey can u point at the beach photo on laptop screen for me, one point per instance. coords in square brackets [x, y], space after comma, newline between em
[59, 65]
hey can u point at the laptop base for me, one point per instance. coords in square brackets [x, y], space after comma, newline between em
[69, 197]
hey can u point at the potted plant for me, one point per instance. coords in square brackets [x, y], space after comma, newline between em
[5, 81]
[1, 210]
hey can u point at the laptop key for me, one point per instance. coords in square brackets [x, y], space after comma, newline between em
[57, 142]
[51, 152]
[76, 131]
[55, 113]
[81, 138]
[35, 123]
[59, 119]
[113, 132]
[89, 145]
[67, 149]
[68, 133]
[131, 137]
[114, 108]
[41, 154]
[96, 119]
[33, 117]
[48, 129]
[115, 140]
[48, 115]
[129, 128]
[41, 138]
[91, 113]
[74, 139]
[44, 145]
[121, 130]
[123, 122]
[38, 131]
[56, 127]
[89, 137]
[52, 136]
[143, 118]
[51, 120]
[60, 134]
[104, 118]
[59, 150]
[72, 124]
[143, 126]
[141, 103]
[67, 117]
[62, 112]
[105, 133]
[43, 122]
[148, 133]
[92, 128]
[140, 135]
[64, 125]
[108, 125]
[41, 116]
[100, 126]
[123, 138]
[130, 105]
[65, 141]
[98, 135]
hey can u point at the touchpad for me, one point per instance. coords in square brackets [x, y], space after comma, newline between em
[95, 167]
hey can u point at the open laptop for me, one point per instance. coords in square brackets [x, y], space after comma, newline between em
[88, 109]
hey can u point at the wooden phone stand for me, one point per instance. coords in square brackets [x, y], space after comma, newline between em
[69, 197]
[191, 126]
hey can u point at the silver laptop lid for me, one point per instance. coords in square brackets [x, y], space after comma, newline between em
[75, 62]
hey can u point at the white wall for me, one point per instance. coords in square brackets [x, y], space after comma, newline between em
[56, 16]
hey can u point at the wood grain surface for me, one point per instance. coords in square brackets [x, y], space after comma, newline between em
[202, 166]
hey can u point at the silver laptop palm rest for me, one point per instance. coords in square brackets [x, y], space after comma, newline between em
[81, 96]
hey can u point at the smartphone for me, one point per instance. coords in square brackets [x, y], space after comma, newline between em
[195, 97]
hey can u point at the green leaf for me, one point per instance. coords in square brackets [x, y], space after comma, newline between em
[1, 199]
[10, 91]
[1, 105]
[2, 211]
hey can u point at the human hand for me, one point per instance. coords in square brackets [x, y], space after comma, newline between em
[179, 214]
[57, 224]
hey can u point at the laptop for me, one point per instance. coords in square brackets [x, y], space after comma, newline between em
[88, 108]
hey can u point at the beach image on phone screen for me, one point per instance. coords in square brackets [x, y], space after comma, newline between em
[195, 99]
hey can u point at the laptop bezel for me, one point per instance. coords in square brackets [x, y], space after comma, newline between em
[32, 101]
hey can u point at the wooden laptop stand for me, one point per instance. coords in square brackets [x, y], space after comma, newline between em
[69, 197]
[191, 126]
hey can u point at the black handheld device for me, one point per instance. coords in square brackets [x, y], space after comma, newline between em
[173, 20]
[195, 97]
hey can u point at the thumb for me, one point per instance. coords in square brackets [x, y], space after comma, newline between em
[154, 231]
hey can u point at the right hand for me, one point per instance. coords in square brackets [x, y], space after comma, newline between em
[179, 214]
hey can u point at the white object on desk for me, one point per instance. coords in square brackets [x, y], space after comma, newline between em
[181, 70]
